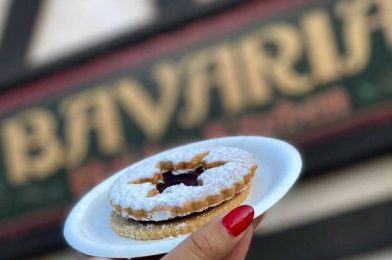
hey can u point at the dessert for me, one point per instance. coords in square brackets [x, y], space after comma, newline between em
[177, 191]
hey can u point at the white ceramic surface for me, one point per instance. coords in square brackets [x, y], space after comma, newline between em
[87, 228]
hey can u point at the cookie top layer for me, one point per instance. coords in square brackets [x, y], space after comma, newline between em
[227, 171]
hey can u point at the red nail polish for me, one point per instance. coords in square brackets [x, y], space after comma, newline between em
[238, 219]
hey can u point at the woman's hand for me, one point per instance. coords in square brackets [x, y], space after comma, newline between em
[224, 237]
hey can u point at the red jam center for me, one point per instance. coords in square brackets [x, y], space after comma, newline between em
[188, 178]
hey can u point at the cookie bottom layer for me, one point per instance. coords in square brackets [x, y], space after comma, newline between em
[183, 225]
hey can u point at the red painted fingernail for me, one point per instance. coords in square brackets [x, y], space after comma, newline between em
[238, 219]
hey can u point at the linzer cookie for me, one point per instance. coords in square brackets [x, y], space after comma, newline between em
[179, 190]
[147, 230]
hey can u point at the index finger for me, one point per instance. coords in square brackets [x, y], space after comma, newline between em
[257, 220]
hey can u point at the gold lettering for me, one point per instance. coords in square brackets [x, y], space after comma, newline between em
[385, 10]
[289, 50]
[322, 51]
[85, 112]
[255, 69]
[31, 147]
[358, 24]
[213, 67]
[151, 115]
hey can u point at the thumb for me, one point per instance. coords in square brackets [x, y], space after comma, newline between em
[217, 238]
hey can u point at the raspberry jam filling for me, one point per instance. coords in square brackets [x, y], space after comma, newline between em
[188, 178]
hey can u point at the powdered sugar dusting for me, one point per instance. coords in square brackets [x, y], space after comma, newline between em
[136, 196]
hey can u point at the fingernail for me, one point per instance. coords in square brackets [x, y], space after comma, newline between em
[238, 219]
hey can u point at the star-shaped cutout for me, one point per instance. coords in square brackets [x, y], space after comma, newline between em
[188, 178]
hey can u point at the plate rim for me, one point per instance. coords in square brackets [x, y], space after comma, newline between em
[74, 238]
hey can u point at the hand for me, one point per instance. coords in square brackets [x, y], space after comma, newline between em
[224, 237]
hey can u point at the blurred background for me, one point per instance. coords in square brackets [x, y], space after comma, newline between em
[87, 87]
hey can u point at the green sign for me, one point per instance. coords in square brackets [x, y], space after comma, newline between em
[291, 74]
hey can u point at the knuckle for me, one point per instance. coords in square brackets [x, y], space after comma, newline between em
[202, 246]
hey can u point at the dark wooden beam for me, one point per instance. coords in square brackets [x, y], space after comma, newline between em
[17, 35]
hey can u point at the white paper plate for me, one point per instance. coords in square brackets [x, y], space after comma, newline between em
[87, 228]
